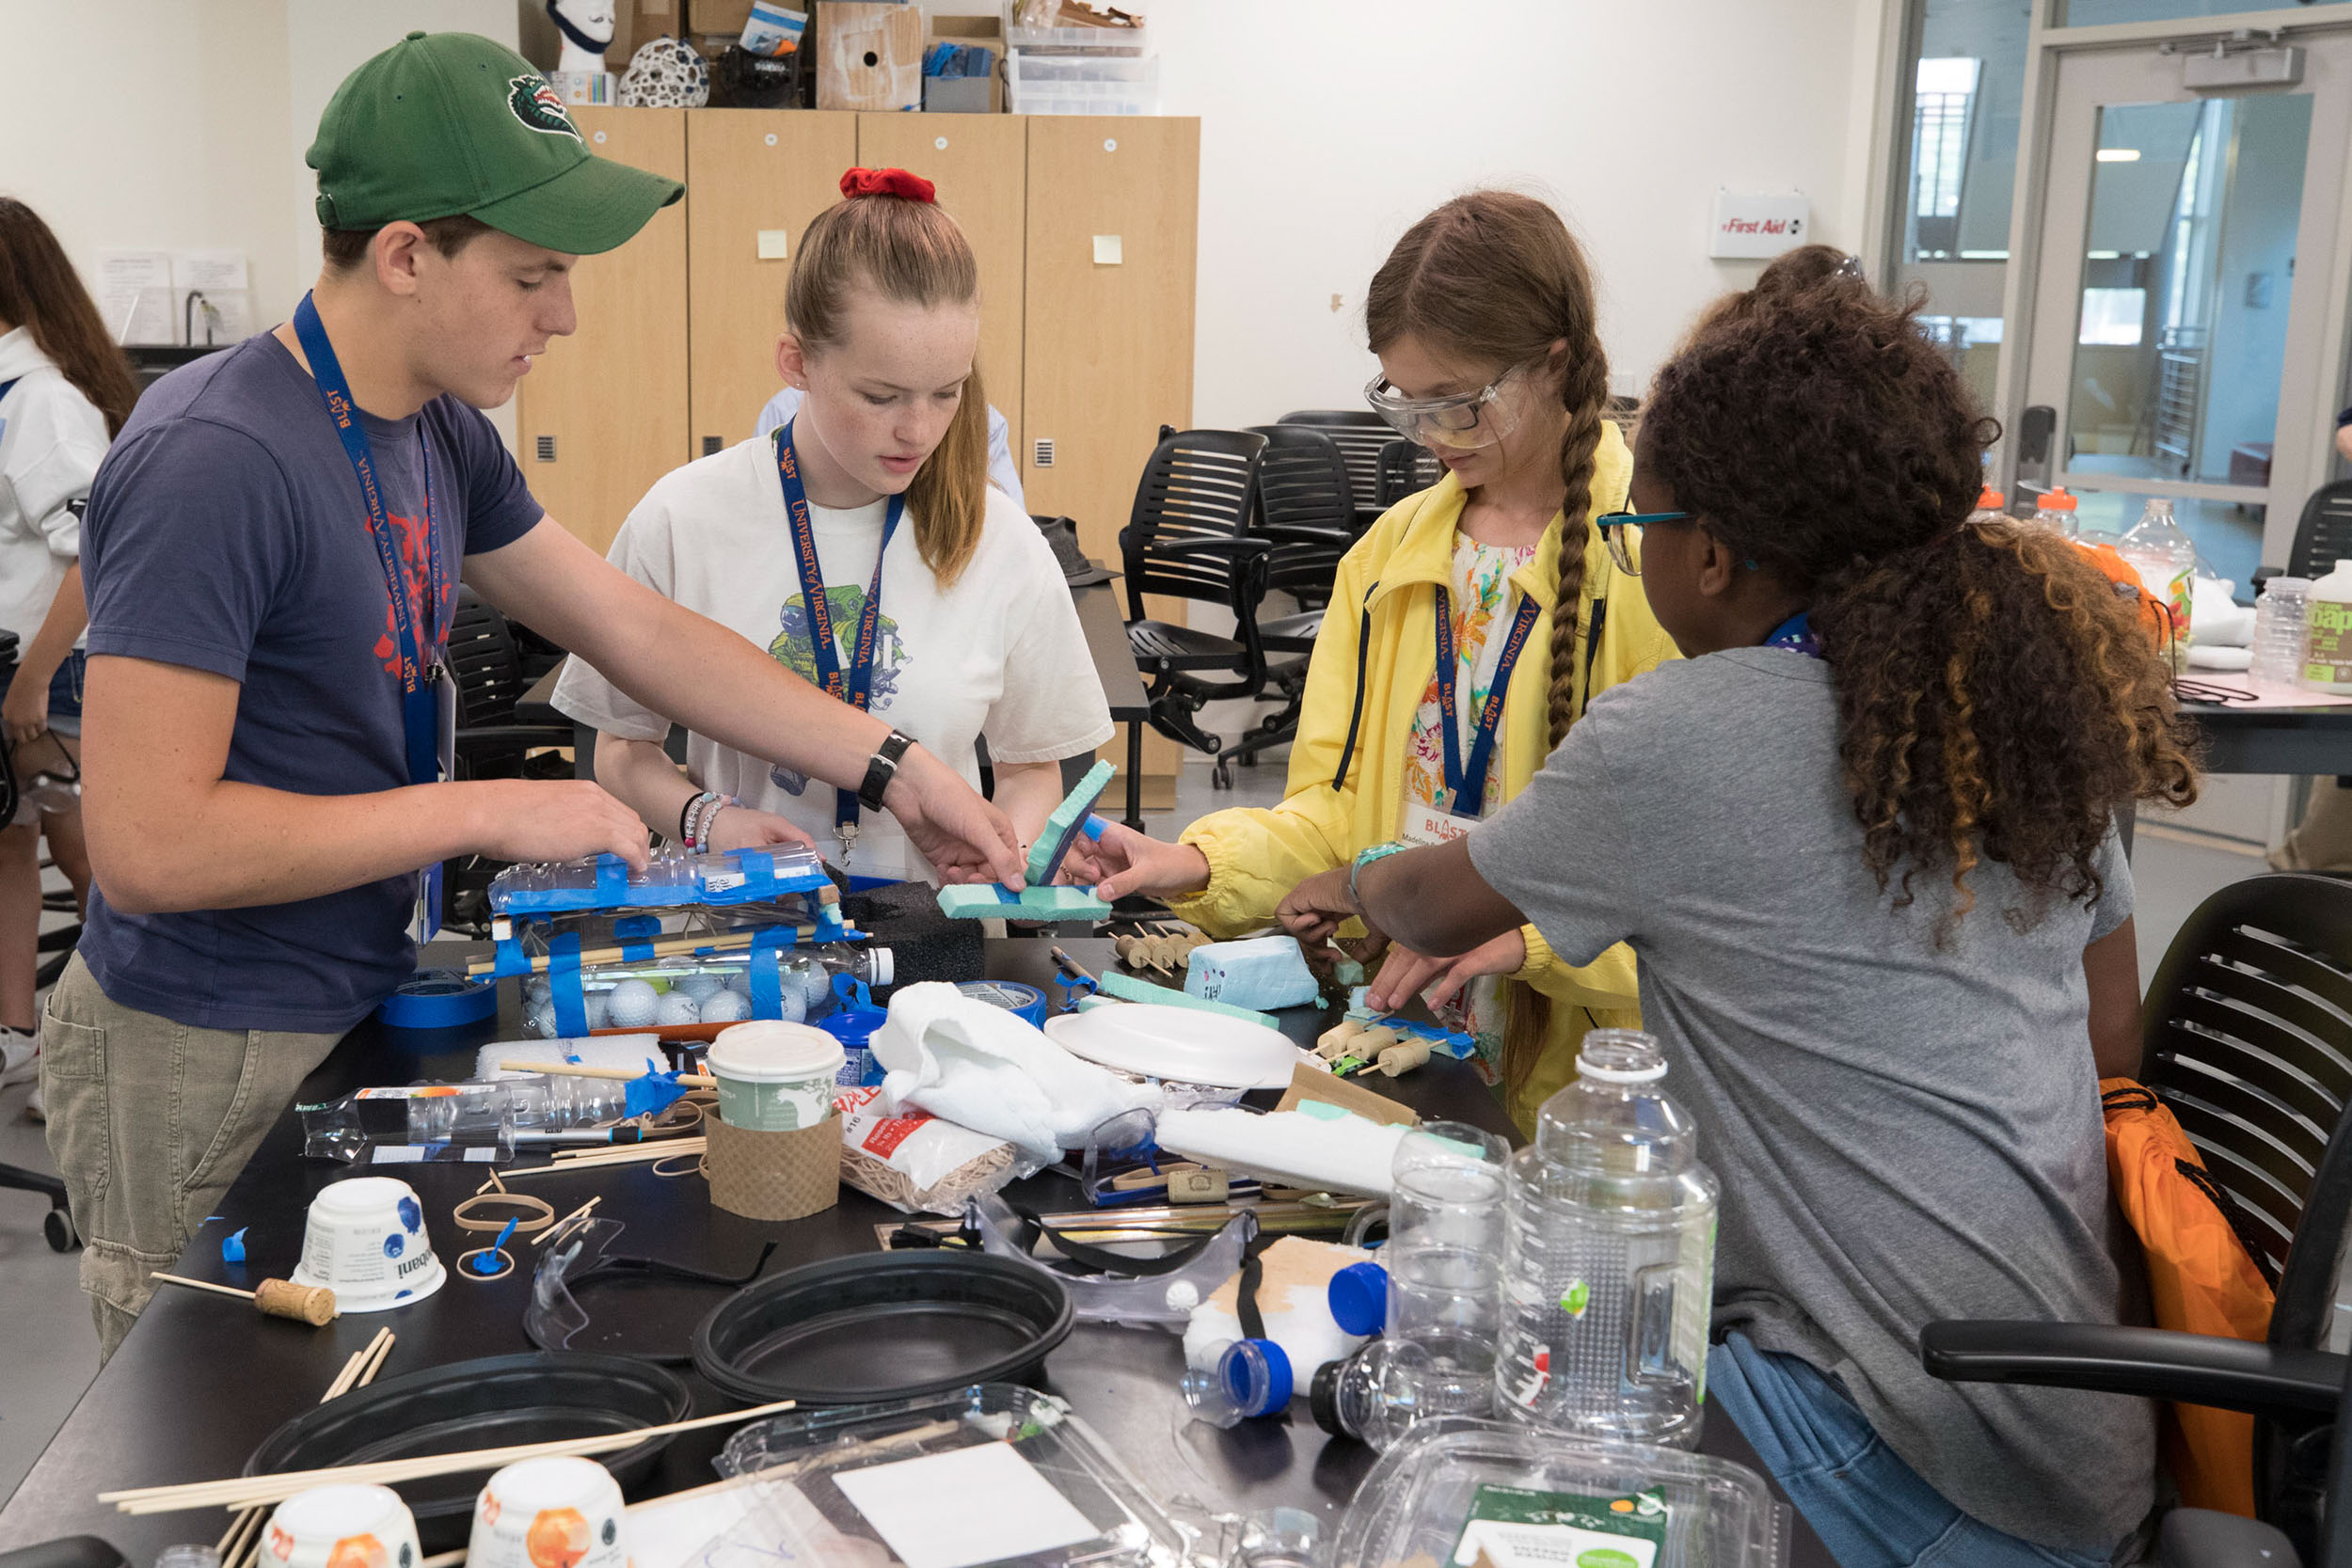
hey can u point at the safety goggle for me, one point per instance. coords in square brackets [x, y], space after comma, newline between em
[1461, 423]
[1621, 533]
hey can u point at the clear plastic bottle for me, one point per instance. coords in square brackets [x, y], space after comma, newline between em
[2056, 512]
[2166, 559]
[2279, 616]
[1991, 506]
[1610, 1256]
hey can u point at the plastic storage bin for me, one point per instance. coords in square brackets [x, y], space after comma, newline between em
[1413, 1506]
[1082, 84]
[1106, 40]
[808, 1511]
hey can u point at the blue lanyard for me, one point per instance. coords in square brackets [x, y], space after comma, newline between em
[420, 716]
[1468, 784]
[856, 687]
[1797, 634]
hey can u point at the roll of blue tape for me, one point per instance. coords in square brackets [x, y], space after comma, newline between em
[1015, 998]
[440, 999]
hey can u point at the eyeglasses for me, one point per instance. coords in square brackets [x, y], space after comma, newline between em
[1624, 548]
[1461, 423]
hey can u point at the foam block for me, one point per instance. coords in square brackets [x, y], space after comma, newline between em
[1129, 989]
[988, 902]
[1063, 824]
[1260, 971]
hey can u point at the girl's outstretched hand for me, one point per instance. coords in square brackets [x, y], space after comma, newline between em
[1409, 974]
[1125, 862]
[1316, 908]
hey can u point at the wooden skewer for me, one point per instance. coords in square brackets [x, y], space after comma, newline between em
[565, 1224]
[667, 947]
[245, 1528]
[626, 1075]
[305, 1303]
[264, 1491]
[243, 1541]
[570, 1161]
[444, 1560]
[379, 1351]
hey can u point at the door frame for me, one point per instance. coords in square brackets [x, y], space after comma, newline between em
[2300, 459]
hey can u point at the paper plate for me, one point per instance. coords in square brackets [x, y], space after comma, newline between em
[1180, 1043]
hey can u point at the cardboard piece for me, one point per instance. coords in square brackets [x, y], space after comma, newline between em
[868, 56]
[717, 16]
[774, 1176]
[967, 95]
[1309, 1083]
[638, 22]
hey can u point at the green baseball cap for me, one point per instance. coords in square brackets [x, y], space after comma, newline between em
[447, 123]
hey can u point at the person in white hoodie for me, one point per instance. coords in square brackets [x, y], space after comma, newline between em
[65, 389]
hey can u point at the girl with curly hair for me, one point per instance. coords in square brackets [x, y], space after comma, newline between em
[1861, 841]
[1420, 716]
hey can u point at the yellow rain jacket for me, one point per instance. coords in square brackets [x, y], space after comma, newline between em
[1357, 723]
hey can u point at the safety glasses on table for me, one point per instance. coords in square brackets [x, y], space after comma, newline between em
[1621, 533]
[1461, 423]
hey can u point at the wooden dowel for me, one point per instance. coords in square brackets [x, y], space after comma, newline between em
[571, 1163]
[379, 1351]
[264, 1490]
[626, 1075]
[580, 1212]
[306, 1304]
[667, 947]
[201, 1285]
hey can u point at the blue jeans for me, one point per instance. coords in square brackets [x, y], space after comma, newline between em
[1869, 1508]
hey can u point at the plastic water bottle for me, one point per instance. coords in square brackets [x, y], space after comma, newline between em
[2055, 513]
[1610, 1256]
[2166, 559]
[2278, 629]
[1991, 507]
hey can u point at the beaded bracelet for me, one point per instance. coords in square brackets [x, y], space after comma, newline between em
[1377, 852]
[685, 828]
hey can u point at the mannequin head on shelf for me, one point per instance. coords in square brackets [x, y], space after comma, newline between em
[587, 27]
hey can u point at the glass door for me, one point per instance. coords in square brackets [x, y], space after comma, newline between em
[2187, 245]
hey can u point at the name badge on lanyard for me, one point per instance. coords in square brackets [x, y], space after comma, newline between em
[428, 698]
[856, 684]
[1440, 822]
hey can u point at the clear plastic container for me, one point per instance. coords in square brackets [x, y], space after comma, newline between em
[2279, 627]
[1610, 1256]
[1096, 40]
[2056, 511]
[674, 877]
[2166, 559]
[1417, 1501]
[1082, 84]
[805, 1510]
[1991, 507]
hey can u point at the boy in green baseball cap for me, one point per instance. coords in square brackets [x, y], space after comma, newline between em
[273, 552]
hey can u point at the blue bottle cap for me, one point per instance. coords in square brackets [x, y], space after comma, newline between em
[1257, 1375]
[1358, 1298]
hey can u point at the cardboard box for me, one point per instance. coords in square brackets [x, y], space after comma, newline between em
[718, 16]
[638, 22]
[960, 97]
[868, 56]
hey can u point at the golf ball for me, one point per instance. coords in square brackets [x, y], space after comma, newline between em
[699, 987]
[631, 1006]
[726, 1006]
[739, 982]
[600, 1005]
[541, 1020]
[677, 1007]
[537, 990]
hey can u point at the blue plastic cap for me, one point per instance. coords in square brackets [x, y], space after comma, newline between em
[232, 1248]
[1358, 1298]
[1257, 1375]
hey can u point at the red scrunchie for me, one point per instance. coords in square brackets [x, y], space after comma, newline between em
[889, 181]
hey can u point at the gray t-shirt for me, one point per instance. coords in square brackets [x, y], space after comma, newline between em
[1904, 1131]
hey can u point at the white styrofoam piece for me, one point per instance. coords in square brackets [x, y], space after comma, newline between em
[1182, 1044]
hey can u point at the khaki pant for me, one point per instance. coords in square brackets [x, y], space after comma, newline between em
[2322, 840]
[150, 1121]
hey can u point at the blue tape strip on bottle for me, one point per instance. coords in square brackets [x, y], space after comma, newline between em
[635, 933]
[565, 990]
[767, 979]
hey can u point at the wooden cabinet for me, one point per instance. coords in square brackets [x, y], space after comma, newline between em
[602, 413]
[980, 165]
[748, 172]
[1107, 330]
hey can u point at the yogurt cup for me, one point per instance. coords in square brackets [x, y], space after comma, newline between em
[555, 1512]
[340, 1527]
[773, 1076]
[365, 1240]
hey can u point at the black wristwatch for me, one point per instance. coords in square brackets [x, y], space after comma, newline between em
[882, 768]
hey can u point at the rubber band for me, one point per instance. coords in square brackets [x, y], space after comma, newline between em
[467, 1221]
[673, 1175]
[501, 1254]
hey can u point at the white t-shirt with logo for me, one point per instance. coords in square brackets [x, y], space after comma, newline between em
[999, 653]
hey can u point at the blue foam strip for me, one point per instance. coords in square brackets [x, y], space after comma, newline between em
[571, 1001]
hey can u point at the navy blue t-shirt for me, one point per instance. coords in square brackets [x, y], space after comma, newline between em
[226, 532]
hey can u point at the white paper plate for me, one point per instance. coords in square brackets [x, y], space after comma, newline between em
[1184, 1044]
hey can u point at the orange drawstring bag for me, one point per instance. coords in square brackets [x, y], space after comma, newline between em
[2203, 1277]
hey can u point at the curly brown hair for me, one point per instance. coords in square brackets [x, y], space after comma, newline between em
[1997, 701]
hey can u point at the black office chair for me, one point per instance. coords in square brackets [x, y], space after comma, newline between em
[486, 660]
[1185, 539]
[2323, 535]
[56, 1227]
[1407, 469]
[1359, 433]
[2248, 1039]
[1304, 509]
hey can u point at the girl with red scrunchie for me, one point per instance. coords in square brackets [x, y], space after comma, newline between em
[974, 629]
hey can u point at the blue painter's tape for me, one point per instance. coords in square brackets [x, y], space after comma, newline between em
[635, 933]
[767, 979]
[440, 999]
[570, 1000]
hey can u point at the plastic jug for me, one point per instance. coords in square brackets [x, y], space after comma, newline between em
[1610, 1256]
[2328, 640]
[2056, 513]
[2165, 558]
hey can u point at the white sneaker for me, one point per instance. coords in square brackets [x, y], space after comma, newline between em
[20, 1058]
[34, 1109]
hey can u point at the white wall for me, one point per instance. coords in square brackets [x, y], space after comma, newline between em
[1327, 126]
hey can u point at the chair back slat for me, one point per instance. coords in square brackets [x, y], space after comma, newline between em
[2323, 535]
[1198, 485]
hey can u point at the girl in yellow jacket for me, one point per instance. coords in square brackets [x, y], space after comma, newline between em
[1421, 717]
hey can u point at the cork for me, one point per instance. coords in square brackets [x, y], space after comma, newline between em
[309, 1304]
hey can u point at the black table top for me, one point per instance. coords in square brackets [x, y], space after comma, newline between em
[2316, 740]
[202, 1380]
